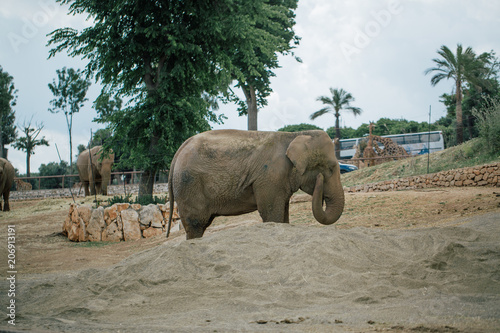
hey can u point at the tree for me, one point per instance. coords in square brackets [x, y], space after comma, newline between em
[29, 142]
[69, 92]
[8, 99]
[54, 169]
[105, 106]
[165, 55]
[340, 100]
[462, 67]
[267, 29]
[299, 128]
[346, 132]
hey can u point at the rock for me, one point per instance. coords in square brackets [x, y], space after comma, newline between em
[82, 231]
[151, 232]
[74, 232]
[176, 226]
[96, 225]
[85, 212]
[131, 228]
[112, 233]
[121, 206]
[150, 215]
[67, 225]
[110, 214]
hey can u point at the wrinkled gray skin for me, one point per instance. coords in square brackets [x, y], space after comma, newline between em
[230, 172]
[7, 174]
[99, 171]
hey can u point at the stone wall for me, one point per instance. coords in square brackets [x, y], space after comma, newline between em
[77, 192]
[484, 175]
[118, 222]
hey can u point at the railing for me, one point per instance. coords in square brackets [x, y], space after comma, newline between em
[117, 178]
[363, 160]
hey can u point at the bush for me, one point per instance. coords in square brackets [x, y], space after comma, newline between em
[143, 201]
[488, 121]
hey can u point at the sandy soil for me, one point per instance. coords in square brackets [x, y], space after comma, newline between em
[410, 261]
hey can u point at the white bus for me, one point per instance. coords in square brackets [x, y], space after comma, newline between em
[413, 143]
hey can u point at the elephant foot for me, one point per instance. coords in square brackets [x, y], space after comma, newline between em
[195, 228]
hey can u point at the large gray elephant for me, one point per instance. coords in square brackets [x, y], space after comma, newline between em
[96, 174]
[7, 174]
[231, 172]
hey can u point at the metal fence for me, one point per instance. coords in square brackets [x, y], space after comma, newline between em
[65, 181]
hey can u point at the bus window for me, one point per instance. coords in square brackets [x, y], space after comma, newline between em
[347, 144]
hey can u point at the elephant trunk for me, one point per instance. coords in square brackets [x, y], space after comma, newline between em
[333, 196]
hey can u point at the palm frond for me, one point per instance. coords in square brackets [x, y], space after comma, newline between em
[340, 99]
[320, 112]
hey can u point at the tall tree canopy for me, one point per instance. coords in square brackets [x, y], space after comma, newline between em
[165, 55]
[69, 91]
[8, 97]
[338, 101]
[462, 67]
[269, 32]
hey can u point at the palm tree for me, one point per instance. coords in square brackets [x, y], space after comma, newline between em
[462, 67]
[339, 101]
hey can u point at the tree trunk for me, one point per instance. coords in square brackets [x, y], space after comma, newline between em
[1, 140]
[146, 184]
[459, 119]
[249, 91]
[470, 126]
[28, 173]
[337, 135]
[147, 181]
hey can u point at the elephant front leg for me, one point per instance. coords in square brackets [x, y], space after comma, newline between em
[273, 209]
[195, 227]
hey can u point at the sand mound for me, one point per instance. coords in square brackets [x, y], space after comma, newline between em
[275, 277]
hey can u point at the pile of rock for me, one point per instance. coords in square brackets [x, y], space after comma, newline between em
[118, 222]
[484, 175]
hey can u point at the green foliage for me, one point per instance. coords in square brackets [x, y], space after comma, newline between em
[69, 93]
[464, 67]
[142, 200]
[339, 100]
[105, 106]
[164, 55]
[386, 126]
[54, 169]
[345, 132]
[299, 128]
[265, 30]
[8, 99]
[29, 142]
[489, 125]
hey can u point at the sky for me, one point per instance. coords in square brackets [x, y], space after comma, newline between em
[377, 50]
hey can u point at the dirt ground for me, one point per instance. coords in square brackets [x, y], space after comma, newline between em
[42, 252]
[42, 249]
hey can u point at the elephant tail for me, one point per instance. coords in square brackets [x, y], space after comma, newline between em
[170, 196]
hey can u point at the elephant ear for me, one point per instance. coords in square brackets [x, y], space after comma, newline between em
[297, 152]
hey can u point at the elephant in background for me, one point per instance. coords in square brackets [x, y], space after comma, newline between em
[231, 172]
[7, 174]
[96, 174]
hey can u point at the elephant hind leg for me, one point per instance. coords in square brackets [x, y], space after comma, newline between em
[85, 185]
[195, 227]
[6, 207]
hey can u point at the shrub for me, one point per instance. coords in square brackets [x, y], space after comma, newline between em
[488, 120]
[143, 201]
